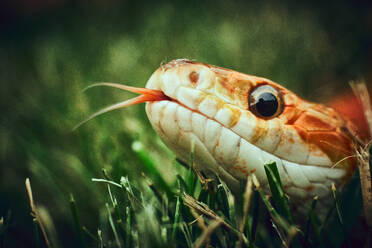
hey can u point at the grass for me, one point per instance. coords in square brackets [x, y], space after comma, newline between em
[49, 57]
[209, 216]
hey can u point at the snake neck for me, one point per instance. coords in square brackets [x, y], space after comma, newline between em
[351, 110]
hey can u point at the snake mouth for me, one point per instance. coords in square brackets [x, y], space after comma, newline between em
[158, 96]
[146, 95]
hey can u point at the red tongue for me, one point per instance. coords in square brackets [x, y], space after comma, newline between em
[147, 95]
[142, 91]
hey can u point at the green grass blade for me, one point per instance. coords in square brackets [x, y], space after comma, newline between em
[106, 175]
[128, 227]
[279, 198]
[119, 220]
[100, 239]
[176, 218]
[132, 193]
[182, 184]
[313, 222]
[191, 178]
[117, 240]
[150, 168]
[91, 235]
[276, 217]
[75, 215]
[351, 205]
[222, 201]
[255, 214]
[4, 225]
[36, 233]
[339, 213]
[187, 233]
[275, 171]
[153, 188]
[231, 203]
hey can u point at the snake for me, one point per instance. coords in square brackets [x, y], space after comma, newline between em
[238, 122]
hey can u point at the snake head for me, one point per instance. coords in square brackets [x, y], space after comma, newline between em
[239, 122]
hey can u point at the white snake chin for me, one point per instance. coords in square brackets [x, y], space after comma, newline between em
[224, 148]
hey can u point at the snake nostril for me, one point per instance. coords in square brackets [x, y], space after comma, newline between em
[194, 77]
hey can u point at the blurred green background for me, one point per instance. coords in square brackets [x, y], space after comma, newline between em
[51, 50]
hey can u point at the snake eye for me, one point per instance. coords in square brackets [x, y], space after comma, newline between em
[265, 102]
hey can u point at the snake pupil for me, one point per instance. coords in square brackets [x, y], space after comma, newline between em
[267, 104]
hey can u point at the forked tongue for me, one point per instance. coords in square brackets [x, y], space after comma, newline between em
[146, 95]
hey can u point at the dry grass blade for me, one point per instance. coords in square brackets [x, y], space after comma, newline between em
[203, 209]
[197, 208]
[198, 219]
[247, 198]
[361, 92]
[363, 156]
[106, 181]
[204, 237]
[34, 212]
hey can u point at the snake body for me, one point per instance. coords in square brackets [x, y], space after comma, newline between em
[312, 144]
